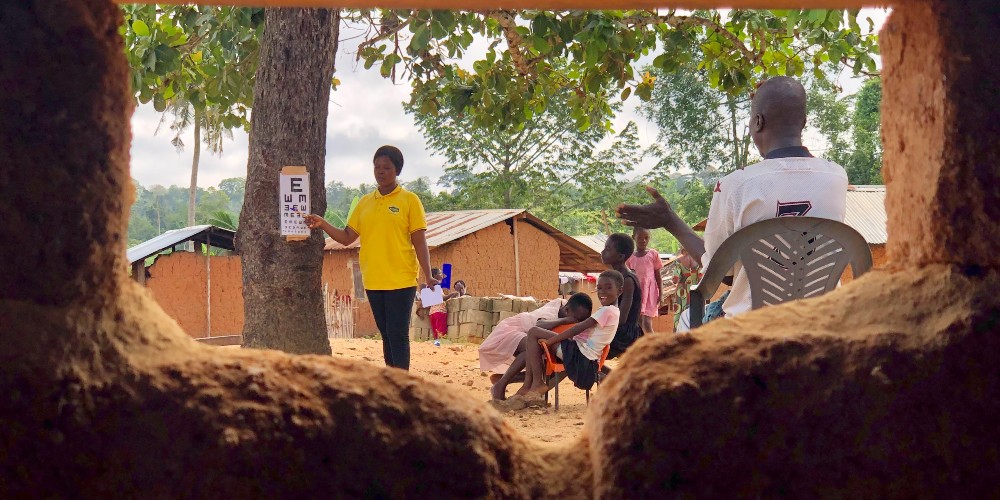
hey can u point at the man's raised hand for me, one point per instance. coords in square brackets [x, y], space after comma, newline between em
[650, 216]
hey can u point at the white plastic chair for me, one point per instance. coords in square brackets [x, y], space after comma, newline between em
[785, 258]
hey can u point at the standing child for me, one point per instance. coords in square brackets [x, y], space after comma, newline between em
[647, 265]
[617, 250]
[580, 347]
[439, 312]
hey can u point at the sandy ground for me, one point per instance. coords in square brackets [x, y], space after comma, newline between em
[457, 366]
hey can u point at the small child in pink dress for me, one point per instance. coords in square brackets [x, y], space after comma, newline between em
[646, 264]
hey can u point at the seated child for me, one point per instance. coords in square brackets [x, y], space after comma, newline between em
[502, 352]
[579, 348]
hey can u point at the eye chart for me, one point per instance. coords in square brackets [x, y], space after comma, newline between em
[293, 203]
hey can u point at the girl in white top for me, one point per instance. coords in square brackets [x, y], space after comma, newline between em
[580, 346]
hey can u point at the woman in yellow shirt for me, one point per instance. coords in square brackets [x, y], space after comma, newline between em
[391, 224]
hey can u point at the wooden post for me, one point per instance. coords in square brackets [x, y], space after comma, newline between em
[208, 284]
[139, 271]
[517, 260]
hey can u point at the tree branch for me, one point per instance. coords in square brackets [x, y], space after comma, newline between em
[505, 19]
[676, 21]
[387, 31]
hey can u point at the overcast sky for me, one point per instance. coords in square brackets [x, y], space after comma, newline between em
[365, 113]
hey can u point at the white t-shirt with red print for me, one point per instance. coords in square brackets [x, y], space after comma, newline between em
[776, 187]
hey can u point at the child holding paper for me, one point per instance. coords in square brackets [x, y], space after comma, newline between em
[439, 312]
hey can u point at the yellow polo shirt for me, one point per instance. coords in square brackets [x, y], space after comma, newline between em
[385, 223]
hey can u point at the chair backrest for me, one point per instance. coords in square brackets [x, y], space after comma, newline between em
[787, 258]
[604, 356]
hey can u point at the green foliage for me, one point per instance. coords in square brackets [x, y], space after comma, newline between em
[536, 57]
[224, 219]
[852, 126]
[203, 56]
[700, 127]
[506, 167]
[235, 189]
[158, 209]
[864, 165]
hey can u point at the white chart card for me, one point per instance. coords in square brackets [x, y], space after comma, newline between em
[293, 202]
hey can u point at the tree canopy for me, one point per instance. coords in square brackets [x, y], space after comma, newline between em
[534, 56]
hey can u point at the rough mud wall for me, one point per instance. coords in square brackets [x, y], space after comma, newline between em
[880, 258]
[485, 260]
[57, 235]
[941, 82]
[539, 262]
[881, 388]
[102, 394]
[178, 283]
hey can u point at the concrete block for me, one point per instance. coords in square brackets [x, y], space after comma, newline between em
[453, 305]
[504, 315]
[481, 317]
[452, 318]
[468, 303]
[501, 305]
[484, 304]
[418, 322]
[470, 330]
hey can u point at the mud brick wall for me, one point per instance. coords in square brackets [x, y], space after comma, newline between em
[471, 319]
[485, 261]
[178, 282]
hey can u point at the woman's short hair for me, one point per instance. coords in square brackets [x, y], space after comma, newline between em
[393, 154]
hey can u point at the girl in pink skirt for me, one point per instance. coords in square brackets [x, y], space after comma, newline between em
[646, 264]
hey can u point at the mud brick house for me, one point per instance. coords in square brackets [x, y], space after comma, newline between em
[494, 251]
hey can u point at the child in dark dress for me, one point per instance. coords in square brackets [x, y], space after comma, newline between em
[617, 250]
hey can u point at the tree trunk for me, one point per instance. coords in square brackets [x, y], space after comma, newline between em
[282, 293]
[193, 190]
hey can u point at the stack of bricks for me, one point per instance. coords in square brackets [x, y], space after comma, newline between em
[471, 319]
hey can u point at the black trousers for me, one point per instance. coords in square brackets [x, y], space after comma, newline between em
[391, 309]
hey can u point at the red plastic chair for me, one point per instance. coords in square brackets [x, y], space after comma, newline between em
[556, 372]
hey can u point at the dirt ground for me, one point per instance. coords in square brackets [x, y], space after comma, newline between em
[457, 366]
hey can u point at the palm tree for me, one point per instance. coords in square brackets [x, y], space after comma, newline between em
[208, 129]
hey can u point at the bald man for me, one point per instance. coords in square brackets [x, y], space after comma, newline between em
[788, 182]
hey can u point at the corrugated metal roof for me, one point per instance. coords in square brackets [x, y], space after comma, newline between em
[445, 227]
[866, 213]
[595, 241]
[216, 236]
